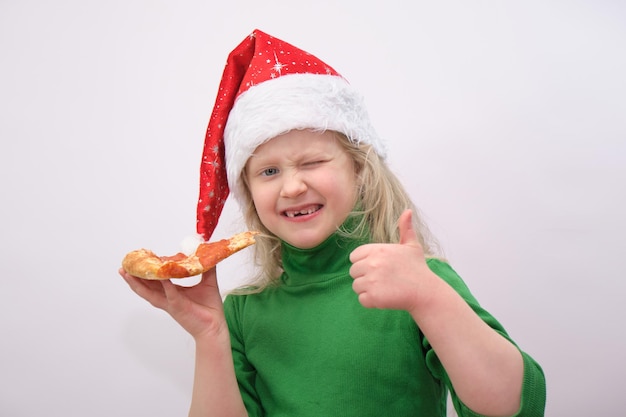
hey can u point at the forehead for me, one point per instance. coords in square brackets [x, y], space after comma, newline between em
[296, 144]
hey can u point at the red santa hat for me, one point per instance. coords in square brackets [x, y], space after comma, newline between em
[268, 88]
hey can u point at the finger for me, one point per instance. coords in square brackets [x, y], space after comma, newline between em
[169, 288]
[357, 270]
[132, 281]
[136, 282]
[354, 272]
[359, 253]
[171, 292]
[408, 236]
[150, 291]
[209, 282]
[210, 277]
[366, 300]
[359, 286]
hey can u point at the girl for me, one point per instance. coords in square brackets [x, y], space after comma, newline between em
[351, 313]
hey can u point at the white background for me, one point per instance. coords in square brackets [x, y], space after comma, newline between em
[505, 119]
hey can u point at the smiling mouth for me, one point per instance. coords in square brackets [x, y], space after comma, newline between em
[303, 212]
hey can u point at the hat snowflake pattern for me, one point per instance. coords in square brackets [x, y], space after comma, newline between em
[268, 88]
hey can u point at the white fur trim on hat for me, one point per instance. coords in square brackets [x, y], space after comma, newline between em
[289, 102]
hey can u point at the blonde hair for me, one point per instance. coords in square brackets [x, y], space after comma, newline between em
[381, 199]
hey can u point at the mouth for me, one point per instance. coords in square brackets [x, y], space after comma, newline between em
[302, 212]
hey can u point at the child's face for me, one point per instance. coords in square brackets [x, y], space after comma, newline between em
[303, 185]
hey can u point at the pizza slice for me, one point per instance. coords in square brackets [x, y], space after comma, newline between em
[144, 263]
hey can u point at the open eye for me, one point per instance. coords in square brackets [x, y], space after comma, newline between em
[268, 172]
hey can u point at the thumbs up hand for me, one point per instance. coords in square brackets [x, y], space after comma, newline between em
[392, 276]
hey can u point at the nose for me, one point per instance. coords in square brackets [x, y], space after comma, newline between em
[293, 185]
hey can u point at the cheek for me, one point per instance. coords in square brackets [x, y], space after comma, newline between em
[255, 189]
[257, 198]
[263, 198]
[342, 194]
[347, 183]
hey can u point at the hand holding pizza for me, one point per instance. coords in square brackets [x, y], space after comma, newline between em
[198, 309]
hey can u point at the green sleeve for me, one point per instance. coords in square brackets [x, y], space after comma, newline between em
[246, 374]
[534, 384]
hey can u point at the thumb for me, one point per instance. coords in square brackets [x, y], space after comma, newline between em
[210, 287]
[408, 236]
[209, 277]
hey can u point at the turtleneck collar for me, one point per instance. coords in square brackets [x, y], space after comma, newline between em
[328, 260]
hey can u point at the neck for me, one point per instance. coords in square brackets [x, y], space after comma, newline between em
[329, 259]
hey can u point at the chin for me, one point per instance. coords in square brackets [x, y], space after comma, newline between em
[304, 242]
[300, 244]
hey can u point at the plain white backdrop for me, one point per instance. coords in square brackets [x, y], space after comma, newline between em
[505, 119]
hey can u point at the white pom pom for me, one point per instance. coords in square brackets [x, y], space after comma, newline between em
[190, 244]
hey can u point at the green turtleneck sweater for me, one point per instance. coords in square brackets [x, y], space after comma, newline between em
[308, 348]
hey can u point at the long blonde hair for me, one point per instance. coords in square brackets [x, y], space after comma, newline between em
[381, 200]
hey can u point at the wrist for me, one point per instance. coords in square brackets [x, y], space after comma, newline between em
[428, 295]
[218, 336]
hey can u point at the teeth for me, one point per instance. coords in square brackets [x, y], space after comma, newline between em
[301, 212]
